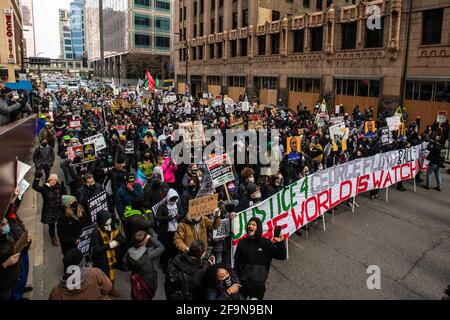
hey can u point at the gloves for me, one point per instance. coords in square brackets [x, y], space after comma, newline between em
[113, 244]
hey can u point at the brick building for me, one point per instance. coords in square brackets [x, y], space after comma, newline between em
[349, 52]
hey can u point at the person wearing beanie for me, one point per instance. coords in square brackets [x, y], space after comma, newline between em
[126, 193]
[93, 283]
[43, 158]
[253, 258]
[73, 219]
[107, 244]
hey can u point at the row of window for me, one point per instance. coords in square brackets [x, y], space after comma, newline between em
[311, 85]
[357, 87]
[148, 41]
[436, 91]
[143, 21]
[159, 5]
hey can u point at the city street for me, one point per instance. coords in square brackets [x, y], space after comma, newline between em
[408, 238]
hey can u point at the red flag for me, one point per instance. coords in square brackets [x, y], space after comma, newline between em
[151, 81]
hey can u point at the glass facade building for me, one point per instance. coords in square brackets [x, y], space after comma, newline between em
[77, 28]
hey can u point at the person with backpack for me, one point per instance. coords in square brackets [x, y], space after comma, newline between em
[138, 218]
[141, 261]
[185, 276]
[253, 257]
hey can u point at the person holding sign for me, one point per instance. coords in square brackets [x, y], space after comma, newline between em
[73, 220]
[253, 257]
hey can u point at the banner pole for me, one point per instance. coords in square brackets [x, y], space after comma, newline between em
[227, 192]
[287, 248]
[387, 194]
[353, 205]
[323, 222]
[415, 188]
[332, 215]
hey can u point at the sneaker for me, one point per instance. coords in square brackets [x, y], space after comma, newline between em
[401, 189]
[377, 197]
[55, 242]
[438, 189]
[356, 204]
[427, 187]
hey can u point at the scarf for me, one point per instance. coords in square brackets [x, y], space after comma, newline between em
[110, 253]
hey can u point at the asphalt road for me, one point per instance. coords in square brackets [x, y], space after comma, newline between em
[408, 238]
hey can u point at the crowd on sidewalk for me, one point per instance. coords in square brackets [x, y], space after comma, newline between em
[148, 223]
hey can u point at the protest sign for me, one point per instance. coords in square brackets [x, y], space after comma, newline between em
[74, 124]
[441, 117]
[336, 120]
[193, 133]
[23, 186]
[129, 147]
[223, 231]
[220, 169]
[187, 108]
[229, 108]
[307, 199]
[256, 125]
[98, 140]
[386, 137]
[394, 122]
[75, 152]
[203, 206]
[245, 106]
[22, 243]
[85, 239]
[89, 152]
[337, 109]
[293, 144]
[159, 204]
[22, 169]
[338, 131]
[96, 204]
[203, 102]
[370, 126]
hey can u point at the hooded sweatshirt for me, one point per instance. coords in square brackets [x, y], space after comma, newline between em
[173, 210]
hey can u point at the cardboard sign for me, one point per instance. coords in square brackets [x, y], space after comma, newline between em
[336, 120]
[223, 231]
[204, 102]
[193, 133]
[203, 206]
[256, 125]
[22, 243]
[22, 169]
[220, 170]
[394, 122]
[294, 144]
[441, 117]
[237, 124]
[129, 147]
[97, 203]
[75, 124]
[75, 152]
[85, 239]
[89, 152]
[187, 108]
[98, 140]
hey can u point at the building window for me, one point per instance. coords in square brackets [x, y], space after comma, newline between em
[162, 42]
[194, 53]
[202, 6]
[220, 24]
[432, 26]
[244, 47]
[142, 3]
[195, 31]
[299, 38]
[201, 29]
[275, 15]
[200, 52]
[213, 80]
[236, 81]
[374, 38]
[305, 3]
[219, 50]
[184, 13]
[211, 51]
[142, 40]
[212, 26]
[349, 35]
[319, 5]
[235, 20]
[269, 83]
[357, 87]
[316, 39]
[142, 21]
[68, 42]
[233, 45]
[162, 24]
[162, 5]
[213, 4]
[261, 45]
[275, 43]
[181, 14]
[245, 18]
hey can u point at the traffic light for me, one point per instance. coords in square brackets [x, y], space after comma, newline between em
[85, 63]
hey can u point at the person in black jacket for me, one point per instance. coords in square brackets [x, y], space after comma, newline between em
[138, 218]
[9, 266]
[436, 163]
[253, 257]
[106, 245]
[157, 192]
[190, 193]
[89, 189]
[73, 220]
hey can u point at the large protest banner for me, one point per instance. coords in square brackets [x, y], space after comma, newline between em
[98, 140]
[96, 204]
[220, 169]
[307, 199]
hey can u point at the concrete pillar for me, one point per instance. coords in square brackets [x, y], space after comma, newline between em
[239, 13]
[207, 17]
[216, 16]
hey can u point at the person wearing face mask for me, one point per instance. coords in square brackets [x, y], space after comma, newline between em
[193, 185]
[168, 167]
[253, 258]
[195, 227]
[9, 262]
[191, 172]
[127, 193]
[73, 220]
[94, 285]
[247, 176]
[147, 165]
[106, 246]
[51, 193]
[168, 216]
[222, 283]
[157, 190]
[43, 158]
[276, 185]
[88, 190]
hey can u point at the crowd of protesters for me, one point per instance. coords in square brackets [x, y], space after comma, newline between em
[131, 236]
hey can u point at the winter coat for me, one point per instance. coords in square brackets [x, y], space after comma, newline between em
[8, 276]
[253, 258]
[85, 193]
[186, 196]
[144, 262]
[94, 284]
[6, 111]
[99, 250]
[163, 218]
[124, 197]
[169, 167]
[51, 207]
[135, 220]
[434, 156]
[155, 194]
[187, 232]
[117, 179]
[43, 156]
[69, 229]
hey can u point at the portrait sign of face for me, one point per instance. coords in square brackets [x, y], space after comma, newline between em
[293, 144]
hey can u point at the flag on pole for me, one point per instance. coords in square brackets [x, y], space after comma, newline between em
[157, 82]
[149, 81]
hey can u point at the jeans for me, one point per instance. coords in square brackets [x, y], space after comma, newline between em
[19, 286]
[437, 172]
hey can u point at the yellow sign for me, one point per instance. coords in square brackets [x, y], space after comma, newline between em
[294, 144]
[203, 206]
[370, 126]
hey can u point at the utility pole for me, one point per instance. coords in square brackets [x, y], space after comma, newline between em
[102, 48]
